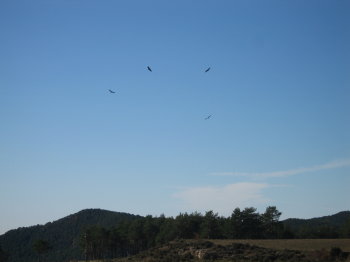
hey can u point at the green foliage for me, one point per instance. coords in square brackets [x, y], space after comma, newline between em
[251, 223]
[210, 226]
[143, 233]
[188, 225]
[3, 255]
[99, 234]
[345, 229]
[334, 226]
[41, 246]
[63, 235]
[270, 223]
[167, 230]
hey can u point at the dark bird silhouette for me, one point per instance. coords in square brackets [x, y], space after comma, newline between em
[149, 69]
[111, 91]
[207, 117]
[207, 70]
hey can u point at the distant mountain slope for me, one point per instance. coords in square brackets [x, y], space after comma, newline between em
[62, 234]
[319, 226]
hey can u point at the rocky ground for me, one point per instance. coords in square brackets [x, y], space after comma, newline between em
[238, 252]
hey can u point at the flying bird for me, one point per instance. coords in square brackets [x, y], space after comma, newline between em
[111, 91]
[207, 70]
[149, 69]
[207, 117]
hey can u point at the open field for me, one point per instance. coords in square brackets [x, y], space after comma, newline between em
[293, 244]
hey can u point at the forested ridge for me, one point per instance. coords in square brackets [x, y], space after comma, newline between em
[61, 235]
[95, 233]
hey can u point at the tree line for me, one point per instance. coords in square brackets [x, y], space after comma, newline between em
[131, 237]
[96, 234]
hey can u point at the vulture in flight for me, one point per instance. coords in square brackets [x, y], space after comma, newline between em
[207, 117]
[111, 91]
[207, 70]
[149, 69]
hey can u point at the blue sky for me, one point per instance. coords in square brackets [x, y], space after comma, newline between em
[278, 92]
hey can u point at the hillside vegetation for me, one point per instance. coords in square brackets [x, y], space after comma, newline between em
[62, 235]
[100, 234]
[334, 226]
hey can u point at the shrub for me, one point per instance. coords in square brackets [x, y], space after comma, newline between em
[335, 252]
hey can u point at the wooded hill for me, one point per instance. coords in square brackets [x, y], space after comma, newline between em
[334, 226]
[62, 235]
[96, 233]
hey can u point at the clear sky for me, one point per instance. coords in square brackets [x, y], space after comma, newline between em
[278, 92]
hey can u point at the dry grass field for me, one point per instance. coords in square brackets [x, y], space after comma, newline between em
[293, 244]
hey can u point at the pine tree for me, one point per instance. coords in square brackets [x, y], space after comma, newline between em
[41, 247]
